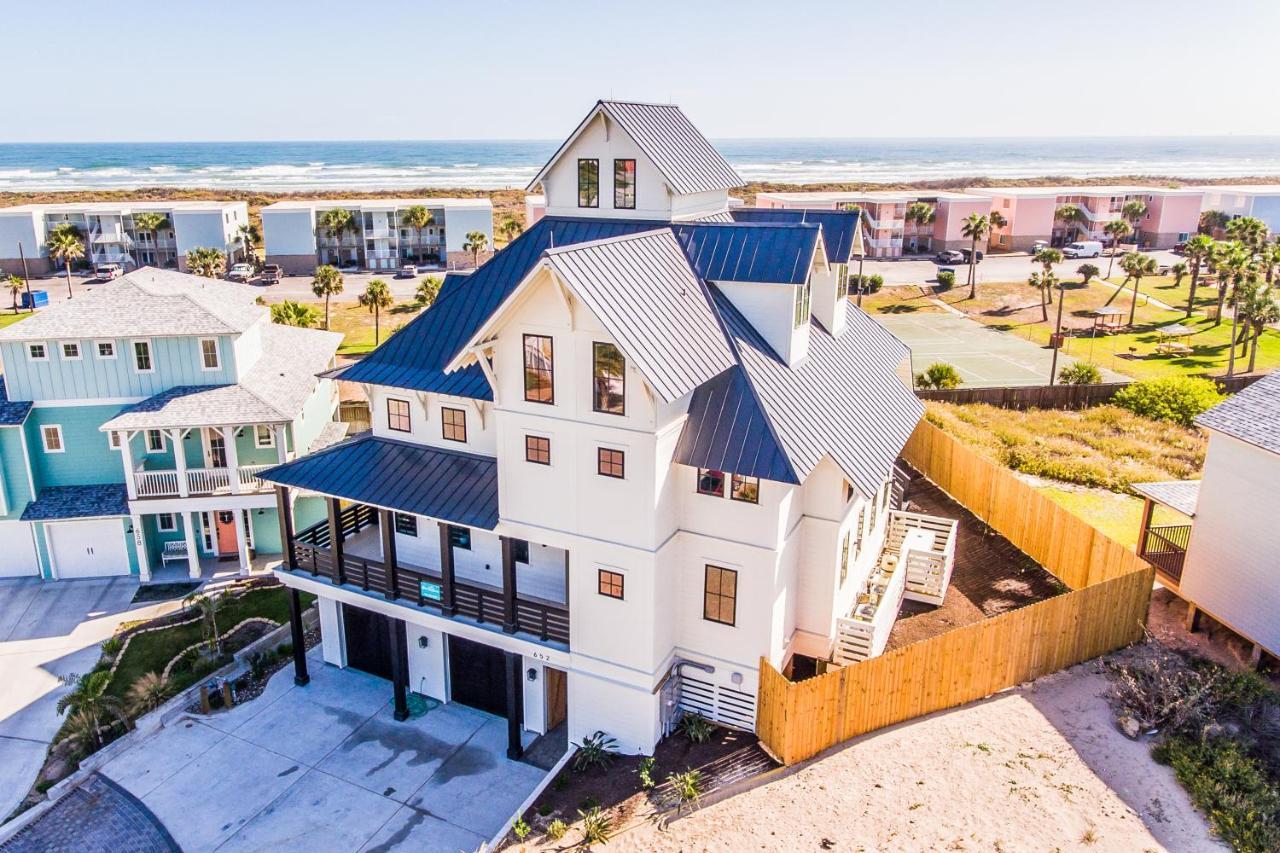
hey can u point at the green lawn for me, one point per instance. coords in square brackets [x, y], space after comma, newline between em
[8, 318]
[1163, 288]
[152, 651]
[355, 322]
[1119, 516]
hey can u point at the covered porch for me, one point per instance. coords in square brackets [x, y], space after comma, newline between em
[220, 538]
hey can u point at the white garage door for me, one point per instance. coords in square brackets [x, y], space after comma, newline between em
[88, 549]
[17, 551]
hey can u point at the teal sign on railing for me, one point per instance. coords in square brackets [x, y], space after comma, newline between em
[427, 589]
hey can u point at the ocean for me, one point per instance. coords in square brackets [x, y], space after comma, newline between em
[499, 164]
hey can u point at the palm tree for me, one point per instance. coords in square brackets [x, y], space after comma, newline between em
[207, 262]
[1133, 210]
[428, 290]
[89, 698]
[326, 282]
[1212, 220]
[1043, 282]
[1259, 309]
[335, 223]
[1046, 258]
[15, 286]
[1135, 266]
[1197, 250]
[1070, 215]
[1117, 230]
[209, 606]
[997, 220]
[376, 296]
[975, 227]
[1179, 272]
[1087, 272]
[150, 222]
[249, 236]
[1250, 231]
[417, 217]
[65, 246]
[1270, 260]
[148, 692]
[920, 213]
[510, 229]
[1233, 263]
[290, 313]
[477, 242]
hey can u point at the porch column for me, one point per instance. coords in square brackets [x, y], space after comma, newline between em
[126, 458]
[387, 531]
[180, 461]
[284, 509]
[399, 668]
[335, 540]
[140, 544]
[508, 585]
[447, 606]
[242, 540]
[1148, 507]
[233, 459]
[300, 676]
[282, 452]
[515, 705]
[193, 554]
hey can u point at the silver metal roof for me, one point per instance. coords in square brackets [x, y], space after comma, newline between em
[643, 291]
[1252, 415]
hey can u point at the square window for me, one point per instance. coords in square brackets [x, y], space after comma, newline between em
[624, 184]
[453, 424]
[520, 551]
[746, 489]
[539, 369]
[264, 436]
[711, 482]
[720, 595]
[610, 463]
[71, 351]
[537, 449]
[106, 349]
[142, 356]
[610, 583]
[398, 415]
[113, 439]
[608, 380]
[209, 354]
[460, 537]
[588, 183]
[406, 524]
[166, 523]
[37, 352]
[51, 434]
[155, 441]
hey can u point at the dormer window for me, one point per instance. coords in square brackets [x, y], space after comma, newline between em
[588, 183]
[624, 184]
[802, 305]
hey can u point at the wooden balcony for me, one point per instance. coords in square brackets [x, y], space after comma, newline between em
[351, 563]
[1165, 547]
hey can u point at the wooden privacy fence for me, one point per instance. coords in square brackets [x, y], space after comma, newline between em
[1054, 396]
[1111, 590]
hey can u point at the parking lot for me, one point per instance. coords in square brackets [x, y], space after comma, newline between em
[1013, 267]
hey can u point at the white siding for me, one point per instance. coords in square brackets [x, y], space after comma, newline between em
[290, 231]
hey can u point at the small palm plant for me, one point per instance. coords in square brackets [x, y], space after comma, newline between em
[148, 692]
[477, 242]
[15, 286]
[209, 607]
[290, 313]
[1079, 373]
[376, 297]
[207, 262]
[66, 246]
[325, 283]
[89, 698]
[939, 375]
[1179, 272]
[428, 290]
[1087, 272]
[597, 752]
[417, 217]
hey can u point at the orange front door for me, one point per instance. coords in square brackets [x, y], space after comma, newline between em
[226, 526]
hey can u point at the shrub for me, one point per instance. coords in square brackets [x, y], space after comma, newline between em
[939, 375]
[148, 692]
[1233, 789]
[696, 727]
[865, 283]
[1080, 373]
[1087, 272]
[1178, 399]
[111, 646]
[597, 827]
[946, 279]
[646, 772]
[597, 750]
[521, 829]
[686, 786]
[557, 829]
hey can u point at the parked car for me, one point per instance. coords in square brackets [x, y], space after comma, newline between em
[1179, 247]
[272, 274]
[106, 272]
[1037, 246]
[240, 272]
[949, 256]
[964, 253]
[407, 271]
[1082, 249]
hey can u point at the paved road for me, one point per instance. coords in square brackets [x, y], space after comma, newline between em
[992, 268]
[49, 629]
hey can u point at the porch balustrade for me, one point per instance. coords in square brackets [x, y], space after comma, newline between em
[200, 481]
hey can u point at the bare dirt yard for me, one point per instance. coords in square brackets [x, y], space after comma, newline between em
[1039, 768]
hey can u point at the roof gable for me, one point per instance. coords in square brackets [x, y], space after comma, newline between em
[838, 226]
[767, 253]
[1252, 415]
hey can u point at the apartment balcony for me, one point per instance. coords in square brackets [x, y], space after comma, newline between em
[201, 482]
[380, 233]
[348, 549]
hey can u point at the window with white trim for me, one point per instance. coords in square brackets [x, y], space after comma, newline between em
[113, 439]
[264, 436]
[155, 441]
[142, 357]
[106, 349]
[70, 350]
[166, 522]
[209, 358]
[51, 435]
[37, 352]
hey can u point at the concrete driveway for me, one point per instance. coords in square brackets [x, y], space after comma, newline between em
[984, 356]
[326, 767]
[49, 629]
[992, 268]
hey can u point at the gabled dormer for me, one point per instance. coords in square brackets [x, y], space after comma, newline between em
[636, 161]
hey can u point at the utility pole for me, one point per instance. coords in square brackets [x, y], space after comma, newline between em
[1057, 336]
[26, 279]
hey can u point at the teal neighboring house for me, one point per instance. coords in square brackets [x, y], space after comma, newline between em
[134, 421]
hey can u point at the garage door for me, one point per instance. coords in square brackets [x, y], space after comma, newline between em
[17, 552]
[477, 676]
[368, 640]
[88, 549]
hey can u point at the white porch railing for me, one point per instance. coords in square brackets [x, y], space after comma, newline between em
[200, 481]
[249, 481]
[154, 484]
[208, 481]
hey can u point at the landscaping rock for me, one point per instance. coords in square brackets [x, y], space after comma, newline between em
[1129, 727]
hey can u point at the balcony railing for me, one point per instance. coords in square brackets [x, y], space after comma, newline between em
[200, 481]
[314, 554]
[1165, 547]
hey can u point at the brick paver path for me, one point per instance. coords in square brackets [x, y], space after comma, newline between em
[96, 817]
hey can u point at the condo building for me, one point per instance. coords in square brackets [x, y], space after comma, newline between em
[379, 234]
[643, 447]
[1260, 201]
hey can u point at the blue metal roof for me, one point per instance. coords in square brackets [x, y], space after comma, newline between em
[60, 503]
[461, 488]
[838, 226]
[769, 253]
[12, 412]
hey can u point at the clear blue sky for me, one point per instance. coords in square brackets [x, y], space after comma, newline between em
[425, 69]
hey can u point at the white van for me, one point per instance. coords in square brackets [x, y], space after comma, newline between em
[1082, 249]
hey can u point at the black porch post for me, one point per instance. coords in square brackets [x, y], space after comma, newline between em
[399, 667]
[335, 540]
[387, 530]
[447, 606]
[508, 585]
[300, 676]
[284, 508]
[1148, 508]
[515, 705]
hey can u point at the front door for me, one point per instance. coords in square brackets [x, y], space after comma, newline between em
[368, 640]
[225, 525]
[557, 696]
[476, 674]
